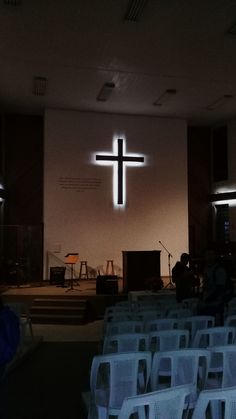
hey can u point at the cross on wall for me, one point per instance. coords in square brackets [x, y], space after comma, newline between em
[120, 158]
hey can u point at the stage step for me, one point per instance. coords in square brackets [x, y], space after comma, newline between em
[58, 311]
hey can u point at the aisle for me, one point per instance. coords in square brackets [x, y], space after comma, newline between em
[48, 385]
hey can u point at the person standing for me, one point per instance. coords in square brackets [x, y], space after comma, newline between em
[183, 278]
[217, 287]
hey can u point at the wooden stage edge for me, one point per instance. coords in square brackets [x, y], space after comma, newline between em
[82, 288]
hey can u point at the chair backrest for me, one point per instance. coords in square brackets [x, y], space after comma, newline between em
[128, 326]
[230, 320]
[123, 303]
[194, 323]
[214, 336]
[232, 302]
[117, 316]
[168, 340]
[223, 360]
[179, 313]
[186, 366]
[126, 342]
[213, 399]
[160, 324]
[116, 376]
[149, 314]
[231, 311]
[117, 309]
[190, 303]
[147, 305]
[168, 404]
[166, 306]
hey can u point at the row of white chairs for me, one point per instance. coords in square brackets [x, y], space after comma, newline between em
[165, 304]
[147, 314]
[192, 323]
[158, 305]
[164, 340]
[115, 377]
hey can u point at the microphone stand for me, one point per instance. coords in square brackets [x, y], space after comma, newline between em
[169, 285]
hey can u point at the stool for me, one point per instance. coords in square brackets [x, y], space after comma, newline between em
[110, 268]
[83, 272]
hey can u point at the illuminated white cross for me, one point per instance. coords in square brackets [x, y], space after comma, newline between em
[120, 158]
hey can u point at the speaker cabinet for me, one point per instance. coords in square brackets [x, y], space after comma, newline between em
[57, 275]
[107, 284]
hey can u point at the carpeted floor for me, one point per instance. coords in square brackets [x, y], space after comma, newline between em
[49, 383]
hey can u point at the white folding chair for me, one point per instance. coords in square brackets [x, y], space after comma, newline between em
[116, 309]
[146, 315]
[168, 340]
[116, 376]
[194, 323]
[152, 304]
[222, 370]
[117, 313]
[167, 404]
[191, 303]
[128, 326]
[212, 403]
[126, 342]
[160, 324]
[230, 320]
[185, 366]
[214, 336]
[179, 313]
[126, 304]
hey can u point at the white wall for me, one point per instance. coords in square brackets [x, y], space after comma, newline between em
[79, 215]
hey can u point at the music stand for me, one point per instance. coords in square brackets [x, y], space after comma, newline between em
[71, 260]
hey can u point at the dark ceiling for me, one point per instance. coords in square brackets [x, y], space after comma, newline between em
[74, 47]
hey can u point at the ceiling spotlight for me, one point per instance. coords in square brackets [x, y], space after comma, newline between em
[39, 86]
[222, 100]
[105, 92]
[165, 97]
[134, 10]
[12, 2]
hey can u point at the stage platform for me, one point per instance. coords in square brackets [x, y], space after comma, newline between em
[53, 304]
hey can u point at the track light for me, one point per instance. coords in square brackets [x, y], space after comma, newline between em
[222, 100]
[105, 92]
[165, 97]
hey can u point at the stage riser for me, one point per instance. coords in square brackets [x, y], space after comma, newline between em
[54, 310]
[77, 303]
[94, 305]
[58, 311]
[56, 319]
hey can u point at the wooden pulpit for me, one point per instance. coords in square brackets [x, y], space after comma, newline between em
[138, 267]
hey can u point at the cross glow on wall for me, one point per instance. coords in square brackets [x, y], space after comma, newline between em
[119, 160]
